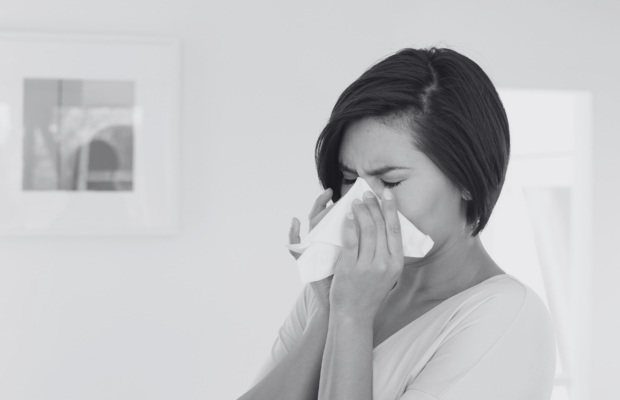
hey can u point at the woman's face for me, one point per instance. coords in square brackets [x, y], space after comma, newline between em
[424, 195]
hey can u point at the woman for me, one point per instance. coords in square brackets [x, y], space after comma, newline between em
[426, 129]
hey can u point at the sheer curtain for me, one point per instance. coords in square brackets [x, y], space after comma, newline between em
[533, 233]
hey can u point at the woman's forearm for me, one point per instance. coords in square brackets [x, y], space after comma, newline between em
[296, 377]
[346, 369]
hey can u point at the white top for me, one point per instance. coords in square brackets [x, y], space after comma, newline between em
[492, 341]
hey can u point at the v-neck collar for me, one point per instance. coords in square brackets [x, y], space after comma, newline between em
[493, 278]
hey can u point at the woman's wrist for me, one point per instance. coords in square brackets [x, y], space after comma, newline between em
[351, 317]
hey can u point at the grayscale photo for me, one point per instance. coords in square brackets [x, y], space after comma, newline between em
[78, 135]
[326, 200]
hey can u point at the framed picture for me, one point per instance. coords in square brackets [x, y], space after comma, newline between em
[89, 135]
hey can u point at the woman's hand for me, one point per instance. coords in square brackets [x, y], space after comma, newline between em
[371, 260]
[319, 210]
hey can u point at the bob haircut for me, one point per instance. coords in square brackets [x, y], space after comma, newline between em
[453, 111]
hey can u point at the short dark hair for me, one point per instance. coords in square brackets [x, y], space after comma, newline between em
[452, 107]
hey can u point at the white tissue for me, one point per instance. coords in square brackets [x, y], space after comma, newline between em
[321, 247]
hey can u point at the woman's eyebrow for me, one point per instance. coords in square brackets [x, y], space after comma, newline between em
[375, 172]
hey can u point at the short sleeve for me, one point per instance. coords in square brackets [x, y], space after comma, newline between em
[289, 333]
[504, 349]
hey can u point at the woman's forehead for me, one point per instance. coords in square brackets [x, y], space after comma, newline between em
[376, 144]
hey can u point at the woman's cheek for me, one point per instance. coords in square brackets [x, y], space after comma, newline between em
[416, 212]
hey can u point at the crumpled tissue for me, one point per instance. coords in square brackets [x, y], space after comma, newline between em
[321, 247]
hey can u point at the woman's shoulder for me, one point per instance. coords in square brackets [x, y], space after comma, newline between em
[505, 300]
[507, 288]
[532, 307]
[502, 313]
[498, 288]
[498, 331]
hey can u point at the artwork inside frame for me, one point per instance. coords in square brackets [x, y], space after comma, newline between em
[89, 135]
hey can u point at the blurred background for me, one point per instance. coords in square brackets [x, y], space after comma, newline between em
[193, 316]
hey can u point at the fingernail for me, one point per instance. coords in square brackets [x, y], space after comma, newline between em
[368, 195]
[350, 215]
[387, 194]
[357, 201]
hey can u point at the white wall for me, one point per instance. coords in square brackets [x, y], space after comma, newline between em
[193, 316]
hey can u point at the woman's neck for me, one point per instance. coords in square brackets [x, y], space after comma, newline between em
[459, 264]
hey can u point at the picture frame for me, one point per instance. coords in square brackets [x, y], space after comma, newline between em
[89, 135]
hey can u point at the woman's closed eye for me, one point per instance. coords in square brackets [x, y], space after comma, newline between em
[386, 184]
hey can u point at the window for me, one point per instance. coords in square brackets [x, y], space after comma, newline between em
[539, 229]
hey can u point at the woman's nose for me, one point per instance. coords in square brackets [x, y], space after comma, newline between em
[377, 193]
[377, 188]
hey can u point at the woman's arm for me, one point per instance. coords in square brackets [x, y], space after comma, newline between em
[368, 268]
[346, 371]
[296, 377]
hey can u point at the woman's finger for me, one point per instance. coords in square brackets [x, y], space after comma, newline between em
[375, 210]
[315, 221]
[392, 224]
[320, 203]
[326, 210]
[368, 232]
[348, 257]
[293, 236]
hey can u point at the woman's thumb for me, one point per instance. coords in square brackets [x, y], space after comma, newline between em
[293, 236]
[293, 232]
